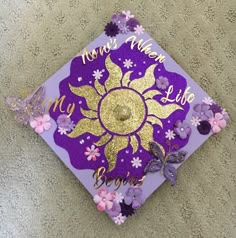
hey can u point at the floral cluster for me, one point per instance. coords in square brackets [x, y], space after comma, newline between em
[116, 205]
[123, 23]
[65, 124]
[208, 116]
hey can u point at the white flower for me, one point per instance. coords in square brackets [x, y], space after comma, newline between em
[118, 197]
[62, 131]
[128, 63]
[119, 219]
[127, 15]
[139, 30]
[170, 134]
[195, 121]
[97, 74]
[207, 100]
[136, 162]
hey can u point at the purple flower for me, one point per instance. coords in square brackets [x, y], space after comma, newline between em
[115, 210]
[202, 111]
[111, 29]
[215, 108]
[204, 128]
[132, 23]
[134, 196]
[182, 129]
[119, 20]
[63, 121]
[162, 82]
[126, 210]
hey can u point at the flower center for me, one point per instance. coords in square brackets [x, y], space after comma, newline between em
[122, 111]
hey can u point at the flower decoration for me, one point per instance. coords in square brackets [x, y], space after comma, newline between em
[136, 162]
[217, 122]
[65, 124]
[182, 129]
[26, 110]
[208, 101]
[104, 199]
[170, 135]
[97, 74]
[128, 15]
[162, 82]
[62, 131]
[115, 210]
[111, 29]
[41, 123]
[118, 197]
[120, 219]
[128, 63]
[215, 108]
[92, 153]
[119, 20]
[115, 127]
[132, 23]
[63, 121]
[134, 196]
[164, 163]
[126, 210]
[204, 127]
[123, 23]
[139, 30]
[202, 111]
[195, 121]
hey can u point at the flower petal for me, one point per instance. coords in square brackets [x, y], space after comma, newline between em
[33, 123]
[39, 129]
[97, 198]
[47, 126]
[101, 206]
[46, 118]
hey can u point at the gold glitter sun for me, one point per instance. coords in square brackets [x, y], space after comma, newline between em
[121, 111]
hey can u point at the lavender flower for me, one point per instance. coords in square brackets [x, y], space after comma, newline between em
[162, 82]
[134, 196]
[202, 111]
[132, 23]
[115, 210]
[182, 129]
[119, 20]
[63, 121]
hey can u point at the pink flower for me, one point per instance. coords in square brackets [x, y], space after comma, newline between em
[217, 122]
[41, 123]
[92, 153]
[104, 199]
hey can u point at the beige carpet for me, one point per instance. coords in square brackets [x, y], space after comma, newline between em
[39, 197]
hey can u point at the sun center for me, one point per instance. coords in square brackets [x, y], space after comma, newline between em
[122, 111]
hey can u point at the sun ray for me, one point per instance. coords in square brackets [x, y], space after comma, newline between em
[145, 82]
[103, 140]
[154, 120]
[126, 79]
[86, 125]
[115, 74]
[112, 148]
[161, 111]
[99, 87]
[150, 94]
[89, 113]
[89, 93]
[146, 135]
[134, 143]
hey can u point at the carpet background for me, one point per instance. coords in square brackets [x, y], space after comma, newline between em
[39, 197]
